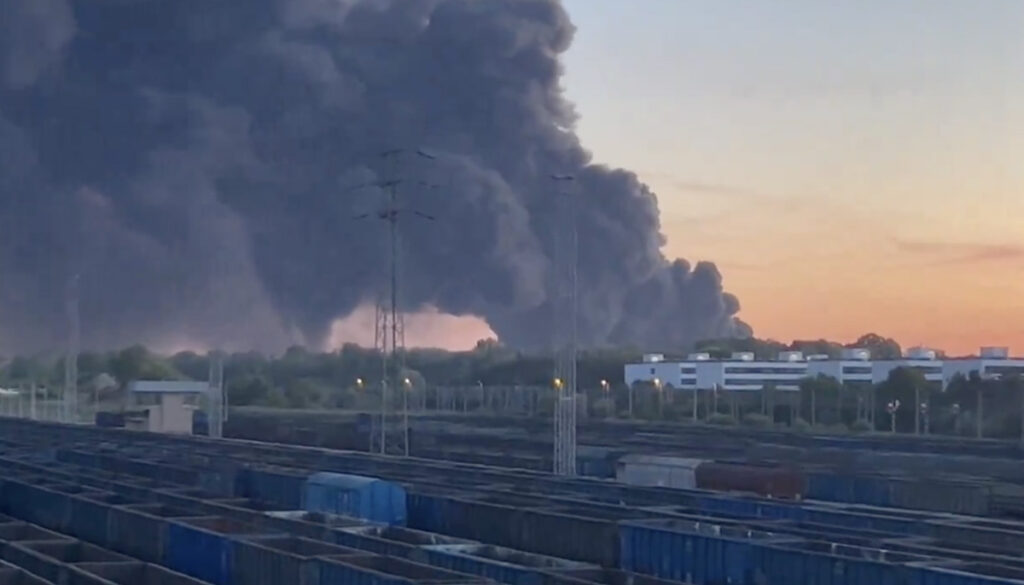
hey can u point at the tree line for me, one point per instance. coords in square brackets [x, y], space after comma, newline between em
[301, 378]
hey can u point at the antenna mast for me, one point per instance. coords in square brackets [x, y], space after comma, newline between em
[565, 334]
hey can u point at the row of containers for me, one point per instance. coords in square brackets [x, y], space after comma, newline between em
[66, 529]
[851, 544]
[840, 470]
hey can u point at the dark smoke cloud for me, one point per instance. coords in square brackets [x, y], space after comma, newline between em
[195, 162]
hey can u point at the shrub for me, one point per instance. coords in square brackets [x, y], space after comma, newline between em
[861, 426]
[757, 420]
[721, 419]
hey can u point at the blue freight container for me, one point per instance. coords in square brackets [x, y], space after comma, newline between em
[749, 507]
[220, 481]
[866, 521]
[692, 551]
[284, 560]
[830, 564]
[357, 496]
[500, 564]
[970, 574]
[129, 574]
[831, 487]
[377, 570]
[392, 541]
[278, 486]
[202, 547]
[47, 508]
[90, 521]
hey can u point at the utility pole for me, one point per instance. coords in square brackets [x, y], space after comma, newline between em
[389, 327]
[215, 404]
[70, 402]
[565, 320]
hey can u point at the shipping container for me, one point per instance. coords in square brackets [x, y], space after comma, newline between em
[356, 496]
[499, 564]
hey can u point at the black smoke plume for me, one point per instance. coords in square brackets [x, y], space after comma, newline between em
[195, 162]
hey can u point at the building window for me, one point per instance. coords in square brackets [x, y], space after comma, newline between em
[687, 370]
[856, 370]
[765, 370]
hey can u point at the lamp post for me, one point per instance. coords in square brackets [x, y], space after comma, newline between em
[892, 408]
[661, 399]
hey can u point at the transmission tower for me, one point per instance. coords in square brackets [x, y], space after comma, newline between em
[565, 328]
[69, 404]
[391, 433]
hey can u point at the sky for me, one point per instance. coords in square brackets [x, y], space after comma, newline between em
[850, 165]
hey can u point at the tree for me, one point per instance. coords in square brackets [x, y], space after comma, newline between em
[247, 390]
[909, 387]
[302, 393]
[881, 348]
[819, 398]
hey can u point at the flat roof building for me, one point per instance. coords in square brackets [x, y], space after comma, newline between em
[742, 372]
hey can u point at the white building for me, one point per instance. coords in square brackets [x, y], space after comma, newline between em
[921, 359]
[742, 372]
[739, 373]
[853, 366]
[992, 363]
[165, 407]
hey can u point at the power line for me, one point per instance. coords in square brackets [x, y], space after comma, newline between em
[565, 325]
[389, 322]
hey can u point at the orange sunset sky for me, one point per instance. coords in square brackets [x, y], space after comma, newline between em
[851, 165]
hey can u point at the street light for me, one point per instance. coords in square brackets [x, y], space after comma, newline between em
[892, 408]
[359, 383]
[661, 398]
[558, 383]
[605, 386]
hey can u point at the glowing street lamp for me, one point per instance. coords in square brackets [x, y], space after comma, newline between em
[558, 383]
[605, 386]
[359, 383]
[892, 408]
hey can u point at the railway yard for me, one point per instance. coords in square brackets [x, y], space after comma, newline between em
[84, 505]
